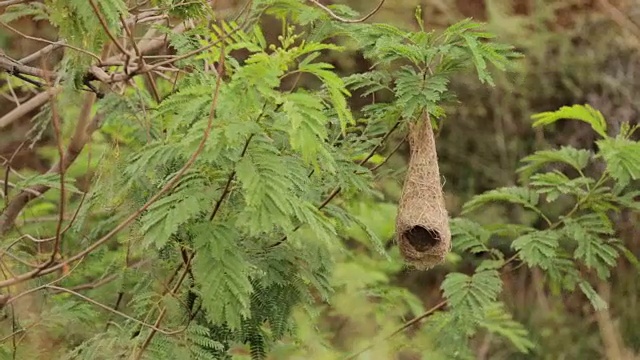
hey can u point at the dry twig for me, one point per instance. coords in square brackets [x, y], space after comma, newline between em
[344, 20]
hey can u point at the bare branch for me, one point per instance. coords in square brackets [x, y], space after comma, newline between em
[105, 307]
[49, 42]
[407, 325]
[163, 311]
[44, 51]
[61, 154]
[105, 26]
[105, 280]
[28, 106]
[12, 2]
[14, 67]
[78, 141]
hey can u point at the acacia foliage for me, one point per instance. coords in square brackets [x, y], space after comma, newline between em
[233, 243]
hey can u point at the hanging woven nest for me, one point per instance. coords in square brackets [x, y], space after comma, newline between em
[422, 224]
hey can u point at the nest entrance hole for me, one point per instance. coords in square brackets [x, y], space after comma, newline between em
[422, 238]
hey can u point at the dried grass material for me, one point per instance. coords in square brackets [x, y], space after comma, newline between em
[422, 224]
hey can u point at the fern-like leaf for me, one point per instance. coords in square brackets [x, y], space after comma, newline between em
[469, 236]
[576, 158]
[584, 113]
[622, 157]
[472, 292]
[537, 248]
[221, 273]
[516, 195]
[497, 320]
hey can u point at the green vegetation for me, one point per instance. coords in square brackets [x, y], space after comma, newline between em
[221, 190]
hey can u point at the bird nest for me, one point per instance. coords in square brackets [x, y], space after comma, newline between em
[422, 224]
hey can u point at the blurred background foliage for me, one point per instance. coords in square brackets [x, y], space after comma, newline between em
[576, 51]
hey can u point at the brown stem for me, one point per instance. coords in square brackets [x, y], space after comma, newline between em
[61, 208]
[78, 141]
[38, 54]
[163, 312]
[105, 307]
[105, 26]
[344, 20]
[26, 107]
[406, 325]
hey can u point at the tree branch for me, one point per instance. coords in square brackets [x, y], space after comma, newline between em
[10, 214]
[78, 141]
[28, 106]
[337, 189]
[344, 20]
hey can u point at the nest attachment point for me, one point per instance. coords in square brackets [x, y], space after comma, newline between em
[422, 224]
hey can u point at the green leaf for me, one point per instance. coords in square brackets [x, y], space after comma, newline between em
[516, 195]
[221, 273]
[480, 50]
[563, 273]
[336, 88]
[595, 223]
[469, 236]
[584, 113]
[416, 92]
[576, 158]
[36, 10]
[274, 198]
[595, 299]
[498, 321]
[629, 255]
[537, 248]
[51, 180]
[587, 231]
[307, 125]
[472, 292]
[622, 157]
[555, 183]
[629, 201]
[163, 218]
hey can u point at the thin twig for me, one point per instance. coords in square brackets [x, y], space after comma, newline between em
[108, 279]
[8, 170]
[61, 154]
[38, 54]
[337, 189]
[14, 97]
[10, 184]
[49, 42]
[229, 181]
[105, 307]
[78, 141]
[38, 288]
[221, 62]
[407, 325]
[341, 19]
[105, 26]
[152, 83]
[13, 2]
[393, 151]
[163, 311]
[28, 106]
[135, 214]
